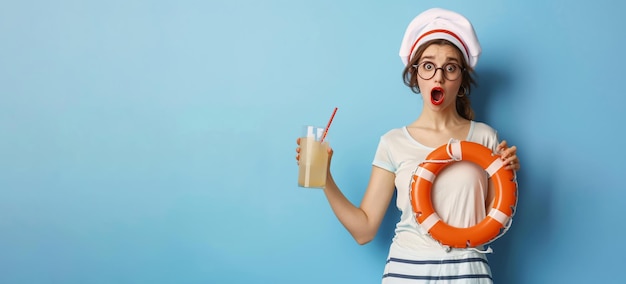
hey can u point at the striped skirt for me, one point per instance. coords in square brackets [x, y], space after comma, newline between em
[455, 268]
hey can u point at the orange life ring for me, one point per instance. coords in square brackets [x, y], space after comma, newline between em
[499, 216]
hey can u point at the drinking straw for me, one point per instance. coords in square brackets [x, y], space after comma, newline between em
[328, 125]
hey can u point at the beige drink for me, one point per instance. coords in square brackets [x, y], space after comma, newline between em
[313, 162]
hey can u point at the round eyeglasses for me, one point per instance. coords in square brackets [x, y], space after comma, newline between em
[426, 70]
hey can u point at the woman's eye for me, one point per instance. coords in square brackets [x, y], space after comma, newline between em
[450, 67]
[429, 66]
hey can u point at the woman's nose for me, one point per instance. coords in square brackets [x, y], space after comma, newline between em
[438, 77]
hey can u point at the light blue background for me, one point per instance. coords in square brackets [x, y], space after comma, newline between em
[154, 141]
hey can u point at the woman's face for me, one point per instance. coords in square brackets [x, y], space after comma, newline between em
[439, 92]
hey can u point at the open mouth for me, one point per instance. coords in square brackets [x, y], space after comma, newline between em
[436, 95]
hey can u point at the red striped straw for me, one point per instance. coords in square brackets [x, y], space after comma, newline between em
[328, 125]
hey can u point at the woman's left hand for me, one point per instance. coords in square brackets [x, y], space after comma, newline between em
[508, 156]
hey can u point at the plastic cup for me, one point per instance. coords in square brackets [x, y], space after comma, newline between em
[313, 164]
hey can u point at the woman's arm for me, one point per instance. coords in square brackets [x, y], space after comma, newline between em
[363, 222]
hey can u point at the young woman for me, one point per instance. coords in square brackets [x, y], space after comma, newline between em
[439, 50]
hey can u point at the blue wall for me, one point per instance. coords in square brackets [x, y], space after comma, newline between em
[153, 141]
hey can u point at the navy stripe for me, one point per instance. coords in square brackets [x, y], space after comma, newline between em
[445, 261]
[451, 277]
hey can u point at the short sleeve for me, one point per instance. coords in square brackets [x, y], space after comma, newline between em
[382, 158]
[493, 140]
[485, 135]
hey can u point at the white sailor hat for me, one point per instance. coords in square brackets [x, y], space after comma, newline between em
[437, 23]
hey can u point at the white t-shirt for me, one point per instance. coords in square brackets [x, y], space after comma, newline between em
[458, 192]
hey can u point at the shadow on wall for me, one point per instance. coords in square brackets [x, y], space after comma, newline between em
[533, 221]
[490, 82]
[533, 212]
[530, 231]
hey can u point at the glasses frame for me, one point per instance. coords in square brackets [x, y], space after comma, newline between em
[445, 74]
